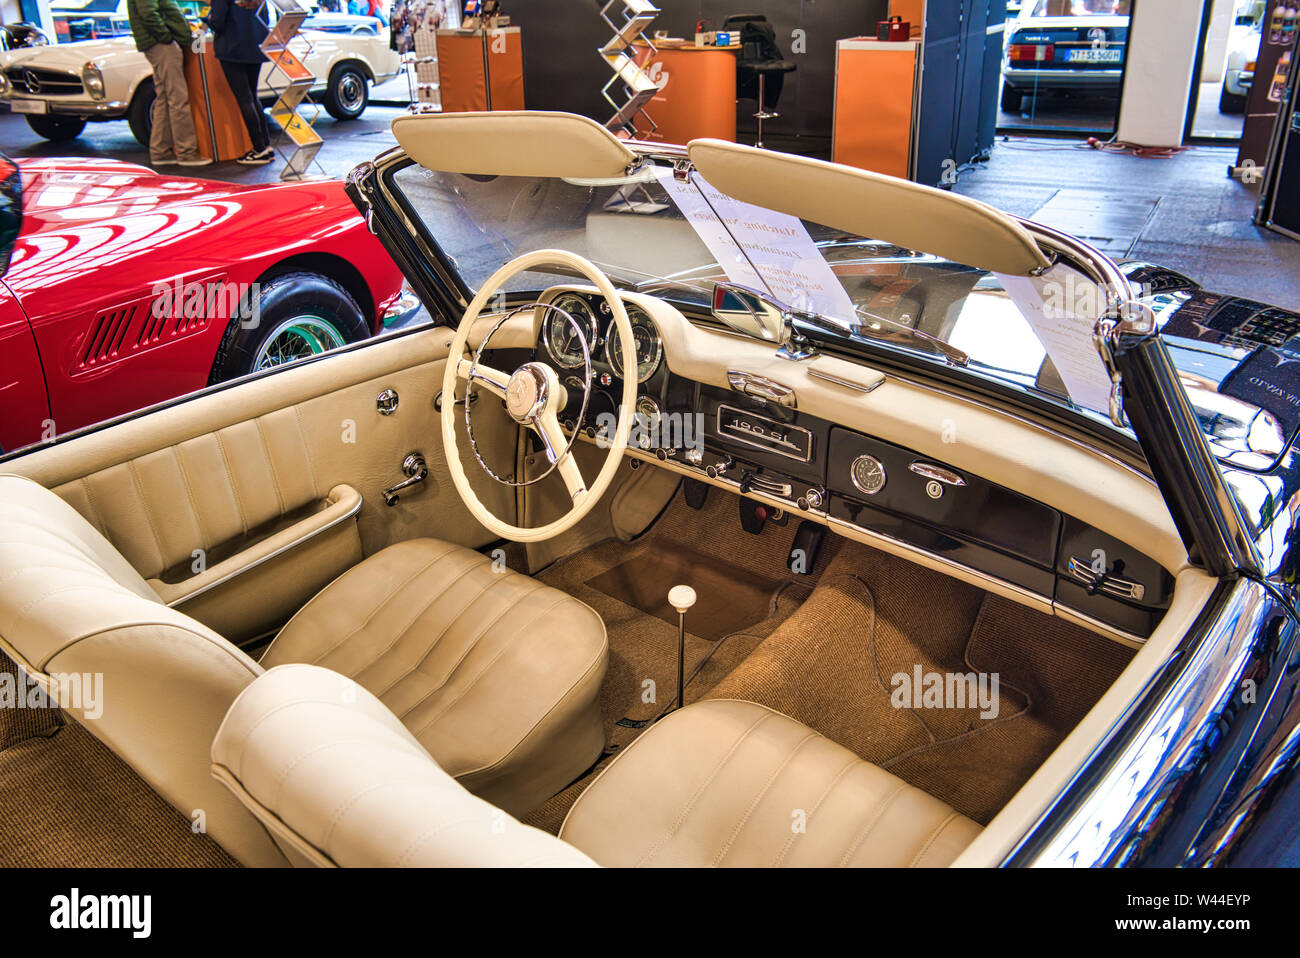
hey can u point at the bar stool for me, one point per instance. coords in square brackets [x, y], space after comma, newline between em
[760, 68]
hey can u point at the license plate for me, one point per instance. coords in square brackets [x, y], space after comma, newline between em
[28, 106]
[1095, 55]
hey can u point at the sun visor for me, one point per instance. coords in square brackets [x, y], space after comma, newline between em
[513, 143]
[869, 204]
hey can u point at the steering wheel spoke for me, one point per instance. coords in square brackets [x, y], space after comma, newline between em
[493, 380]
[555, 443]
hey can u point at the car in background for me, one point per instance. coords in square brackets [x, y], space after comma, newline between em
[344, 23]
[121, 287]
[1243, 47]
[1065, 46]
[61, 88]
[15, 36]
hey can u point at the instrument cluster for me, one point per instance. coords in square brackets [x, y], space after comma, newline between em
[577, 326]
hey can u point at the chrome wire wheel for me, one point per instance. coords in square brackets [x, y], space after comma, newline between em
[298, 338]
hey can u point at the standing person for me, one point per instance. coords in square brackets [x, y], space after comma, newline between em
[159, 28]
[237, 35]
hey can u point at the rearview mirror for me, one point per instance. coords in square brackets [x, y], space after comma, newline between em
[751, 312]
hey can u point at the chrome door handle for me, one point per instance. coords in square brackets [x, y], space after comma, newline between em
[938, 473]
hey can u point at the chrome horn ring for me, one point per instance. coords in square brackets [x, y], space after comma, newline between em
[538, 399]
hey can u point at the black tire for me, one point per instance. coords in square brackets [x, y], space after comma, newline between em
[56, 128]
[347, 93]
[315, 301]
[1231, 102]
[140, 113]
[1012, 99]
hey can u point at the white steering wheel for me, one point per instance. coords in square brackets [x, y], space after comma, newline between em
[534, 397]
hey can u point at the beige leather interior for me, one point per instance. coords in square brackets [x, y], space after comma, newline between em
[734, 783]
[883, 207]
[240, 474]
[494, 673]
[558, 144]
[71, 604]
[338, 780]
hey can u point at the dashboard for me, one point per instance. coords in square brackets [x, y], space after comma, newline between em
[751, 437]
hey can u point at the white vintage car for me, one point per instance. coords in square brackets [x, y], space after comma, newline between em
[62, 87]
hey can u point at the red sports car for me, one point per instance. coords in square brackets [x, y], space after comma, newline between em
[121, 287]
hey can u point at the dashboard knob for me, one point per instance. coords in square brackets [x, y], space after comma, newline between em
[664, 453]
[695, 455]
[719, 468]
[812, 499]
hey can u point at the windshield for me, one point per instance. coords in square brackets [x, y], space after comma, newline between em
[676, 238]
[11, 209]
[1081, 8]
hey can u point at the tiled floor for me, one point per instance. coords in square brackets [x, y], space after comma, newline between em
[1200, 223]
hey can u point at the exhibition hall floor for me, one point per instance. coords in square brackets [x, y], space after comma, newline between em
[1182, 212]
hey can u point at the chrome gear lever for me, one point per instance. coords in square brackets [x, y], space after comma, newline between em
[681, 598]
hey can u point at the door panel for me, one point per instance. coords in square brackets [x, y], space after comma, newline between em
[221, 497]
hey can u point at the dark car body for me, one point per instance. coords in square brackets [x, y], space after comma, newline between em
[1072, 52]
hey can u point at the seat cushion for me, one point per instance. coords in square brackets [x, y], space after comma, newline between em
[731, 783]
[495, 674]
[339, 781]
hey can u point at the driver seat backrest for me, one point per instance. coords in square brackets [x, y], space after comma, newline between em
[74, 612]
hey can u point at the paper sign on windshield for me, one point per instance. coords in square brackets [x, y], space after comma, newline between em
[1063, 307]
[761, 249]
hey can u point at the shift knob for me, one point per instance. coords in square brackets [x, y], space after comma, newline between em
[681, 597]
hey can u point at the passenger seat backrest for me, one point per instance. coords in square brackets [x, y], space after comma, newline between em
[339, 781]
[149, 682]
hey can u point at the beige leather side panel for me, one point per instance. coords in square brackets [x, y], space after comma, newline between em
[218, 472]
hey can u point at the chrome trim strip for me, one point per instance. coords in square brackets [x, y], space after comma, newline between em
[1096, 625]
[846, 383]
[235, 573]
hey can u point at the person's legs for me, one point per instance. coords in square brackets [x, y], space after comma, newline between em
[242, 78]
[161, 147]
[173, 95]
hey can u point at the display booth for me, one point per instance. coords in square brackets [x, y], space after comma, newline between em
[481, 69]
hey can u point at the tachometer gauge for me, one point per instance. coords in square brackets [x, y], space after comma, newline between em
[562, 340]
[645, 340]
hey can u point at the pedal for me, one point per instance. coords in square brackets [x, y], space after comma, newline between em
[753, 515]
[695, 492]
[803, 550]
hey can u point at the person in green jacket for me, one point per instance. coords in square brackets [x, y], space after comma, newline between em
[159, 30]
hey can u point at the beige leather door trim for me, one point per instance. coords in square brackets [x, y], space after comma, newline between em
[342, 504]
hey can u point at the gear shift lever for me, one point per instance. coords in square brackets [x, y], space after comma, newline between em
[681, 598]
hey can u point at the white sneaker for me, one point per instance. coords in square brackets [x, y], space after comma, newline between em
[197, 161]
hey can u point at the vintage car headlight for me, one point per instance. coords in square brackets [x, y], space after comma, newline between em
[93, 80]
[5, 86]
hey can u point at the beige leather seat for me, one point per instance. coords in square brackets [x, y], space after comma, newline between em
[338, 780]
[492, 672]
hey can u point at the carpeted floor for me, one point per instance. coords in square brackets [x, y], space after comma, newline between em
[744, 592]
[840, 656]
[71, 803]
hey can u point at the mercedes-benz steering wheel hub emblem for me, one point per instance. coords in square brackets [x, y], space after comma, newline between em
[524, 393]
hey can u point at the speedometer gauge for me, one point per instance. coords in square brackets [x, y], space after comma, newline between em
[645, 341]
[563, 341]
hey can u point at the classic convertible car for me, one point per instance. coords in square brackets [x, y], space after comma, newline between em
[61, 88]
[121, 287]
[736, 509]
